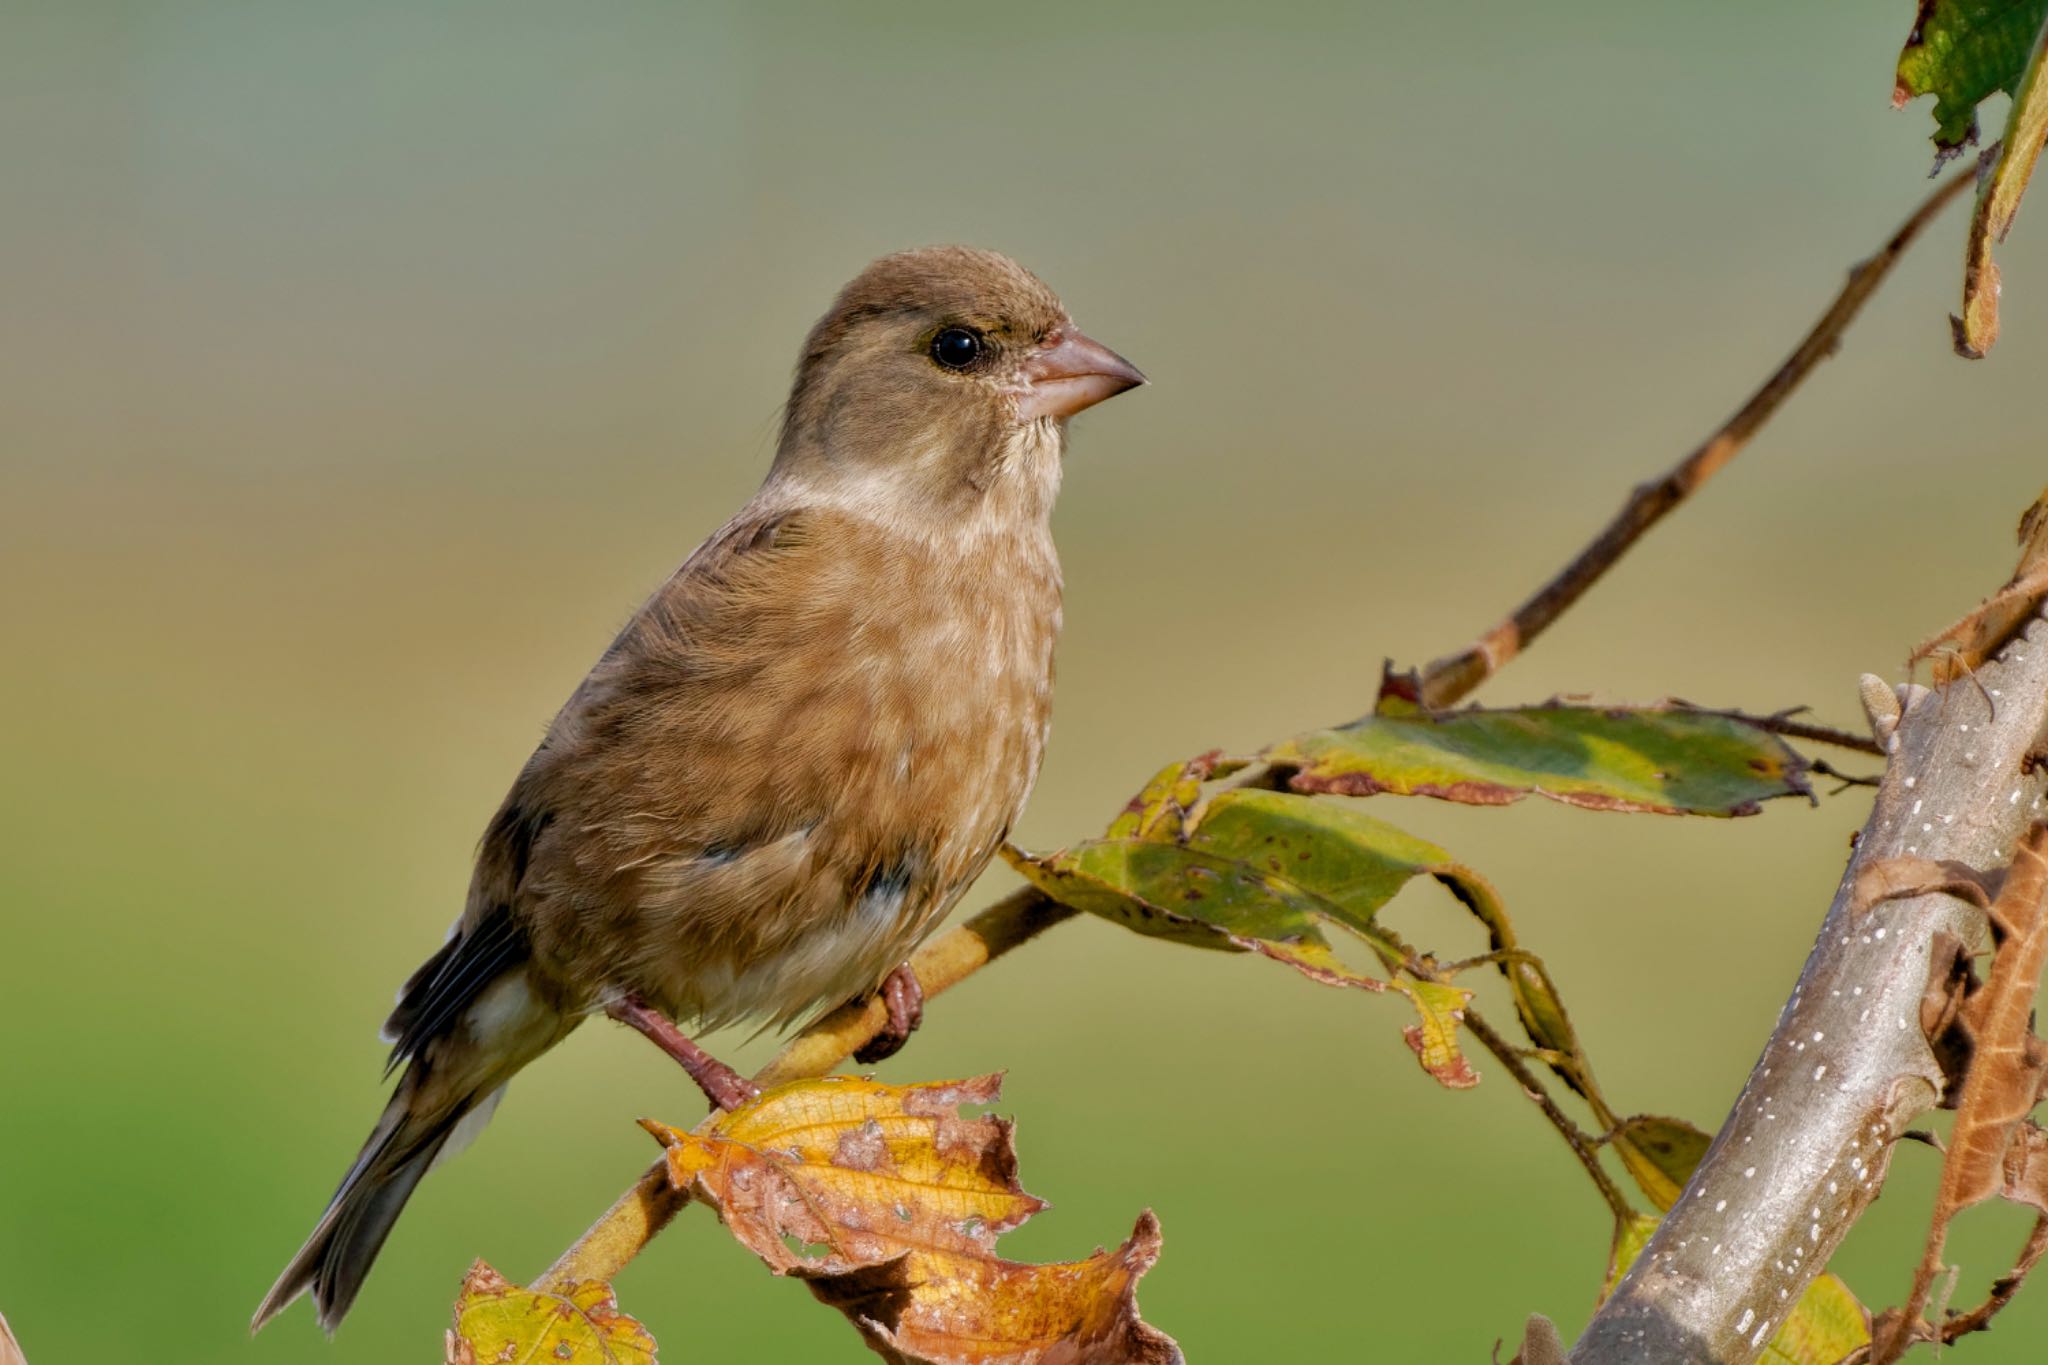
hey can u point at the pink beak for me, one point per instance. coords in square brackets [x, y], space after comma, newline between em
[1071, 372]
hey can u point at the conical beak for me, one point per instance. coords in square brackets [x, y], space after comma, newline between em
[1071, 372]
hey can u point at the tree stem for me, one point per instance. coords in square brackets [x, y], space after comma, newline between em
[1453, 677]
[1807, 1144]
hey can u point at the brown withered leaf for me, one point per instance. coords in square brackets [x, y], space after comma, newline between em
[10, 1349]
[1951, 978]
[2006, 1068]
[2025, 1173]
[498, 1321]
[1964, 646]
[888, 1202]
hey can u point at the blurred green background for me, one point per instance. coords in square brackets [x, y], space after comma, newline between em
[364, 365]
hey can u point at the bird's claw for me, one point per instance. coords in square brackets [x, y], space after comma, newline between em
[903, 996]
[723, 1086]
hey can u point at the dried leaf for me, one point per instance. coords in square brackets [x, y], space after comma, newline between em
[1827, 1325]
[2025, 1169]
[497, 1321]
[888, 1203]
[2005, 1074]
[1267, 872]
[1963, 52]
[1824, 1326]
[1964, 646]
[1667, 760]
[10, 1349]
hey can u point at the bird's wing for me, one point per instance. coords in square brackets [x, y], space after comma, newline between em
[689, 643]
[734, 706]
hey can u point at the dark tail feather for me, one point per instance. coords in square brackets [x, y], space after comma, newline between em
[402, 1148]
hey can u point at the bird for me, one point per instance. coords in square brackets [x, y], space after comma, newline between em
[793, 759]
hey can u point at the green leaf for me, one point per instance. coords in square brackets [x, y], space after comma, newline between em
[1963, 52]
[1668, 760]
[1660, 1154]
[1157, 811]
[1268, 872]
[1164, 890]
[1998, 203]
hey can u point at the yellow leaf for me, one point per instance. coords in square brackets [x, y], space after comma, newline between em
[1825, 1325]
[1434, 1039]
[1828, 1324]
[887, 1203]
[1660, 1154]
[499, 1323]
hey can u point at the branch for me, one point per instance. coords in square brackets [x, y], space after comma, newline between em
[642, 1211]
[1587, 1153]
[1978, 1319]
[645, 1209]
[1783, 724]
[1805, 1149]
[1450, 679]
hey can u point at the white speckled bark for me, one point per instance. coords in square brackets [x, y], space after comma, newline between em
[1806, 1146]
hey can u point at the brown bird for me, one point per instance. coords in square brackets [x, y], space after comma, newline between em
[796, 756]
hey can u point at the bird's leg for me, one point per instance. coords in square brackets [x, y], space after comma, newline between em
[904, 997]
[723, 1086]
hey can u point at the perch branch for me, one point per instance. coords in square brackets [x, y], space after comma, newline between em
[1451, 678]
[645, 1209]
[642, 1211]
[1805, 1148]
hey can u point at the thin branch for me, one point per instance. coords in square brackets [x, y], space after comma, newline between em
[1806, 1146]
[1978, 1319]
[1575, 1138]
[620, 1234]
[645, 1209]
[1821, 768]
[1782, 723]
[1450, 679]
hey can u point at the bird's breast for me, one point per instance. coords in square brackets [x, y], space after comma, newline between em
[959, 670]
[824, 797]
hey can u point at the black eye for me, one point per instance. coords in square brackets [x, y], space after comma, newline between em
[956, 348]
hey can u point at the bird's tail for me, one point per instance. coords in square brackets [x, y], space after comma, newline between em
[453, 1080]
[413, 1134]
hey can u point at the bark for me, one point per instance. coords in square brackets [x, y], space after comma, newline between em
[1807, 1144]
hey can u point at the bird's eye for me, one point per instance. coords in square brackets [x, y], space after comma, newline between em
[956, 348]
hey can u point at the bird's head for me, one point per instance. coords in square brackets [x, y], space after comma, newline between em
[942, 378]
